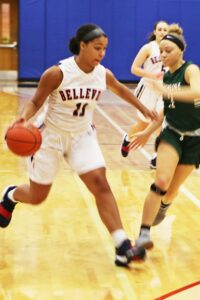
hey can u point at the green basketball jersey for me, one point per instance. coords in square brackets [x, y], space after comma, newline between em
[184, 116]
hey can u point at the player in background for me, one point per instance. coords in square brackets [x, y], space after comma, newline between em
[147, 64]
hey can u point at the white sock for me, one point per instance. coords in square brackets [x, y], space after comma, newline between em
[118, 237]
[154, 155]
[126, 138]
[145, 232]
[11, 197]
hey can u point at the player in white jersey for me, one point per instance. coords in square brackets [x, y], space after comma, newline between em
[147, 64]
[73, 88]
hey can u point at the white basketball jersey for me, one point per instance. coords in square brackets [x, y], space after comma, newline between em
[153, 63]
[71, 105]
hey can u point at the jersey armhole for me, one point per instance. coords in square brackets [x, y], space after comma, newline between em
[61, 67]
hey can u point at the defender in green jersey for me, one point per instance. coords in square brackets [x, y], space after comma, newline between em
[178, 146]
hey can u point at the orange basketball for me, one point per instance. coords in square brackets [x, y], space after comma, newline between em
[23, 141]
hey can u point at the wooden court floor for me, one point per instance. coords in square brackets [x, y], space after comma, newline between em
[60, 250]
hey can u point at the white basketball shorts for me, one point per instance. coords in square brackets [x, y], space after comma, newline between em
[148, 97]
[82, 153]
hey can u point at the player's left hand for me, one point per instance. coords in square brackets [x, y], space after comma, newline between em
[138, 140]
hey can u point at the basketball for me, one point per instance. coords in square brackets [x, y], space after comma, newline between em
[23, 141]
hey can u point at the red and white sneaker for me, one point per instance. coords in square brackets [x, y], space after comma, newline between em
[124, 146]
[6, 207]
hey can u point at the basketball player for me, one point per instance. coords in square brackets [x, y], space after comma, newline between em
[147, 64]
[178, 145]
[74, 87]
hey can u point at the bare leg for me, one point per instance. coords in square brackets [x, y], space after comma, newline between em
[139, 126]
[181, 174]
[169, 177]
[32, 193]
[167, 162]
[98, 185]
[164, 175]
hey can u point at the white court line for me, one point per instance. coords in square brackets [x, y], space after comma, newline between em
[192, 197]
[185, 191]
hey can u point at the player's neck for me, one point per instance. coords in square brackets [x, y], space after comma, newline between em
[176, 66]
[83, 66]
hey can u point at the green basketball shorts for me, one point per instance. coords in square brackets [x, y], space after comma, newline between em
[188, 149]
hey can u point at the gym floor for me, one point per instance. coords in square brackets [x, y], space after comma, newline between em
[61, 250]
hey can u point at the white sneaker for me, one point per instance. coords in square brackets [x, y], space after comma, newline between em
[144, 240]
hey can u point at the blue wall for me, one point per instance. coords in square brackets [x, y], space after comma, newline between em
[45, 26]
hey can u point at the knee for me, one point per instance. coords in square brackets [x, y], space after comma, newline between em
[101, 185]
[163, 182]
[157, 190]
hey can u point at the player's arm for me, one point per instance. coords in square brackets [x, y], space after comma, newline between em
[122, 91]
[153, 126]
[189, 93]
[139, 60]
[49, 81]
[139, 139]
[137, 65]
